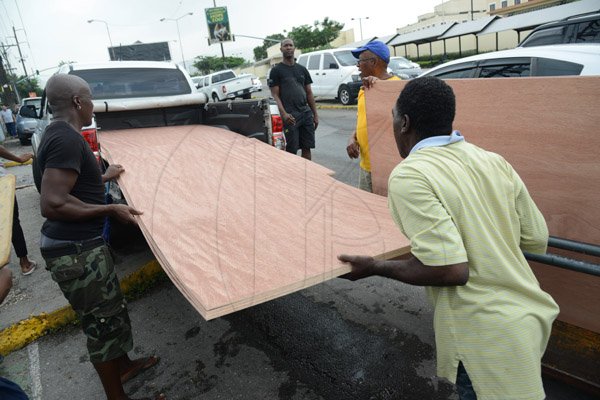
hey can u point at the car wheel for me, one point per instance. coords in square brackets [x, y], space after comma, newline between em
[24, 141]
[344, 95]
[215, 98]
[247, 96]
[37, 174]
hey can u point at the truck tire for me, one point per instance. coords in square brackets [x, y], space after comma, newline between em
[344, 96]
[215, 98]
[37, 174]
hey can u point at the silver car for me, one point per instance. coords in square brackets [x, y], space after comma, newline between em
[404, 68]
[26, 126]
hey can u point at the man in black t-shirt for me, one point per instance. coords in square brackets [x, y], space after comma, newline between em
[72, 200]
[290, 87]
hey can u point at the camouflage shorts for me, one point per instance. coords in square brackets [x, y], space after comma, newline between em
[88, 280]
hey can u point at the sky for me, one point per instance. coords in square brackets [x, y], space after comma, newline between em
[51, 31]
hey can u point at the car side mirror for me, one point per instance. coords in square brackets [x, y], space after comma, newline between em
[28, 111]
[333, 66]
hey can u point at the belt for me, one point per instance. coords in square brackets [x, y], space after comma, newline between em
[67, 249]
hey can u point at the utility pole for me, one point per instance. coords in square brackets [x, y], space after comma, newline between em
[221, 43]
[360, 24]
[4, 79]
[471, 10]
[20, 54]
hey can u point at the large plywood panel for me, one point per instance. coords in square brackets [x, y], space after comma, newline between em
[7, 202]
[235, 222]
[548, 129]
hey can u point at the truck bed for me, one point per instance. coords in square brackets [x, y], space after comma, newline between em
[247, 118]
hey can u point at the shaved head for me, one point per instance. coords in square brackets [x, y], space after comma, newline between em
[61, 88]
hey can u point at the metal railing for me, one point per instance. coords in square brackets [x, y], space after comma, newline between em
[566, 262]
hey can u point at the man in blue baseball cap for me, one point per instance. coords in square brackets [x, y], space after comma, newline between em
[377, 48]
[373, 59]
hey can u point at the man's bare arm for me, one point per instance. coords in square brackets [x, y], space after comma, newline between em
[411, 271]
[57, 203]
[4, 153]
[287, 118]
[312, 104]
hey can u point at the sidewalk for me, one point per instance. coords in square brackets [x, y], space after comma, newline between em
[36, 294]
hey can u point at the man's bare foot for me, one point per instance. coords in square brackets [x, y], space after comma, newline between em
[131, 368]
[27, 266]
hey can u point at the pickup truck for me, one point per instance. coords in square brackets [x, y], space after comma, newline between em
[143, 94]
[223, 85]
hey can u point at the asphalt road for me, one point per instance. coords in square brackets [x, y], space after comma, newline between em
[338, 340]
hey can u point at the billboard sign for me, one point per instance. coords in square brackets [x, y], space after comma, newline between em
[158, 51]
[218, 25]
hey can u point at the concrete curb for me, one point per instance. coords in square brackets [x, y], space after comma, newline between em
[335, 107]
[22, 333]
[9, 164]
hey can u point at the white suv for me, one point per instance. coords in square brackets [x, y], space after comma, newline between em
[552, 60]
[330, 71]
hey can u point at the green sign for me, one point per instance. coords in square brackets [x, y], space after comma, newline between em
[218, 25]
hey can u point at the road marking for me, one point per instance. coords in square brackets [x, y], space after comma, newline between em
[34, 368]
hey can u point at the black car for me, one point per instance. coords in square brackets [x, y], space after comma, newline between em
[583, 28]
[348, 92]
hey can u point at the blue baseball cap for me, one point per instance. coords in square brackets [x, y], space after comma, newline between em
[376, 47]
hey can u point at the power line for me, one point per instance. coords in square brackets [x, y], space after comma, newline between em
[26, 37]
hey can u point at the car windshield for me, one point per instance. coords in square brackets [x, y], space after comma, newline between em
[33, 102]
[397, 63]
[345, 58]
[116, 83]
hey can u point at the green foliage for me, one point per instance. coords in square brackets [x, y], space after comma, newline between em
[427, 61]
[305, 37]
[25, 85]
[320, 34]
[28, 85]
[260, 52]
[208, 64]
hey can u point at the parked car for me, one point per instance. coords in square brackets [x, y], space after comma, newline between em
[198, 81]
[552, 60]
[26, 126]
[257, 84]
[223, 85]
[330, 71]
[404, 68]
[576, 29]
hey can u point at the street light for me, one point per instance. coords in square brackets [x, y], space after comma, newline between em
[178, 34]
[360, 24]
[112, 51]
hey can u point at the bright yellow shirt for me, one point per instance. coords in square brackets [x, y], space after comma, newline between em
[361, 128]
[459, 203]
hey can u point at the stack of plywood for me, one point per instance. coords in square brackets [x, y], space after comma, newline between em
[235, 222]
[548, 129]
[7, 203]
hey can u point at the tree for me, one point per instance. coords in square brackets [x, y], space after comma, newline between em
[260, 52]
[305, 37]
[308, 37]
[208, 64]
[25, 86]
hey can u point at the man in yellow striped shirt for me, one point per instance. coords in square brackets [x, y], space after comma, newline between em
[469, 218]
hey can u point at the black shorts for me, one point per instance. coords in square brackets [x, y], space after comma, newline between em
[301, 135]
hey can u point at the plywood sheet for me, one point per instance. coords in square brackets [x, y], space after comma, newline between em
[7, 203]
[548, 129]
[235, 222]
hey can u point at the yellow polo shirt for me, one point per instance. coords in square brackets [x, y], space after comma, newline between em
[459, 203]
[362, 136]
